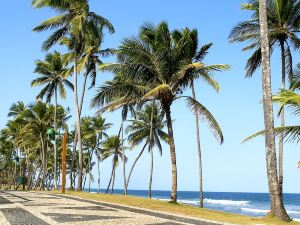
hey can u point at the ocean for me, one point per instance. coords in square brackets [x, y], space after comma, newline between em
[252, 204]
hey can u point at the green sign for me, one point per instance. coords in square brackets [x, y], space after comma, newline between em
[21, 180]
[51, 133]
[17, 158]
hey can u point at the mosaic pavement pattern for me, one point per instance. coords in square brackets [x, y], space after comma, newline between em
[33, 208]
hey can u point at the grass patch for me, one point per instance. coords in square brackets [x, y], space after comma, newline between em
[179, 209]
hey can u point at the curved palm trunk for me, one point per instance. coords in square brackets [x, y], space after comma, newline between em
[98, 166]
[151, 174]
[80, 158]
[280, 149]
[134, 163]
[113, 180]
[55, 146]
[167, 110]
[124, 162]
[277, 207]
[150, 149]
[199, 151]
[111, 176]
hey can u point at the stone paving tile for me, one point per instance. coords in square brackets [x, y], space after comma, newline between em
[166, 223]
[98, 208]
[149, 213]
[65, 218]
[4, 201]
[67, 210]
[18, 216]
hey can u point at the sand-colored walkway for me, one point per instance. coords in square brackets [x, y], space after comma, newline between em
[34, 208]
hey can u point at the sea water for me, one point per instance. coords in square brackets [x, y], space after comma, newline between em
[252, 204]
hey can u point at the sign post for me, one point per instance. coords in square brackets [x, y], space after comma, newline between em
[64, 153]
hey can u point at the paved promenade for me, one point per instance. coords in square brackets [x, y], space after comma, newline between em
[32, 208]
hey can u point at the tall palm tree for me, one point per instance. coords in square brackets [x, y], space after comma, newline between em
[87, 63]
[75, 21]
[38, 119]
[283, 17]
[277, 207]
[53, 76]
[126, 107]
[147, 128]
[112, 146]
[197, 55]
[94, 130]
[153, 67]
[99, 127]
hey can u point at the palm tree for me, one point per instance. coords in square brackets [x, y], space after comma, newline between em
[74, 21]
[283, 19]
[17, 110]
[53, 76]
[147, 128]
[38, 119]
[112, 146]
[291, 100]
[126, 107]
[153, 67]
[6, 163]
[99, 127]
[197, 56]
[94, 130]
[277, 207]
[88, 61]
[20, 138]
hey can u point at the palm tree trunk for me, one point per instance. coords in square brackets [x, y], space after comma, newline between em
[150, 149]
[15, 174]
[43, 159]
[98, 166]
[124, 161]
[76, 136]
[55, 147]
[78, 126]
[72, 184]
[199, 151]
[134, 163]
[90, 170]
[277, 207]
[151, 174]
[280, 150]
[113, 181]
[84, 180]
[167, 110]
[111, 176]
[82, 94]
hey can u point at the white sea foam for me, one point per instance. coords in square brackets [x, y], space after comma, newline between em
[226, 202]
[293, 212]
[163, 199]
[255, 210]
[189, 202]
[265, 211]
[210, 201]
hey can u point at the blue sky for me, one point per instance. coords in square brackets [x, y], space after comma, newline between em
[231, 167]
